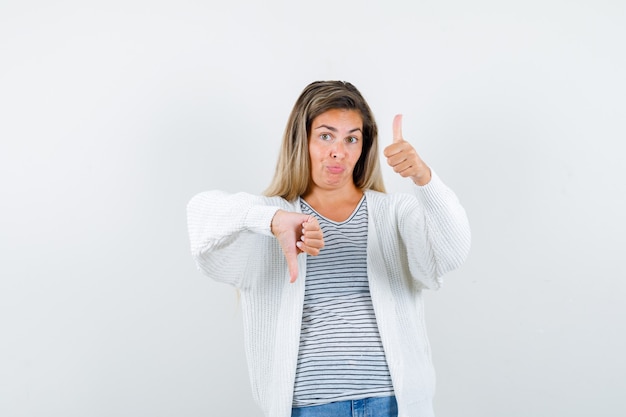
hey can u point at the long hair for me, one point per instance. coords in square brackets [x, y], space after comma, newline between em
[293, 169]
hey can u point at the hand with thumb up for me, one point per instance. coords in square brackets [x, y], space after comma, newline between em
[403, 158]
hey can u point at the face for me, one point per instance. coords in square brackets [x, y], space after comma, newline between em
[335, 145]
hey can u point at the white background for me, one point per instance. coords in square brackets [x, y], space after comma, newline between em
[113, 115]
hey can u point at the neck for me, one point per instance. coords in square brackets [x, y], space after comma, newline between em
[336, 205]
[337, 196]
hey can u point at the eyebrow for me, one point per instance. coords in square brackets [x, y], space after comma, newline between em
[333, 129]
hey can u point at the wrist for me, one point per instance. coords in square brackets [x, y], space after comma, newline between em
[422, 178]
[275, 222]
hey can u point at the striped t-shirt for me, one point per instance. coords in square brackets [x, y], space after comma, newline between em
[341, 355]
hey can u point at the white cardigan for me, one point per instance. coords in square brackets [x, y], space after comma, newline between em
[412, 241]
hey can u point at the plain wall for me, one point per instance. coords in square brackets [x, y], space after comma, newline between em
[113, 115]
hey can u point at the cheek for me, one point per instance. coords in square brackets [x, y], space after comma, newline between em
[315, 153]
[313, 157]
[357, 154]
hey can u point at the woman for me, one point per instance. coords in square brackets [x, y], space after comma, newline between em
[330, 268]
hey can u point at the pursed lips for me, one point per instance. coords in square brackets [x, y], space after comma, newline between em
[335, 169]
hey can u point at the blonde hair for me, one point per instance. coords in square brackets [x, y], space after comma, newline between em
[293, 170]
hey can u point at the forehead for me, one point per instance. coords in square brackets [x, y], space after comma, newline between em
[346, 118]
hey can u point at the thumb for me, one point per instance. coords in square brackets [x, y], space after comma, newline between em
[292, 264]
[397, 128]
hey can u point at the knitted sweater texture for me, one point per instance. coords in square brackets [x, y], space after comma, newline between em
[413, 240]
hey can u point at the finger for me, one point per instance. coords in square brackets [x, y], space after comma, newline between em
[396, 155]
[312, 236]
[311, 223]
[394, 148]
[397, 128]
[310, 226]
[311, 241]
[312, 229]
[312, 248]
[405, 169]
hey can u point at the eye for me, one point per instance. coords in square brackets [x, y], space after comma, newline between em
[325, 136]
[352, 139]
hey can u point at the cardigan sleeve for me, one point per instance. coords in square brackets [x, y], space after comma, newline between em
[436, 232]
[224, 230]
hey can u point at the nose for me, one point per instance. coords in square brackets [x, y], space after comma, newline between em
[338, 150]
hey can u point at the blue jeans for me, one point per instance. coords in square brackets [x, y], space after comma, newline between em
[367, 407]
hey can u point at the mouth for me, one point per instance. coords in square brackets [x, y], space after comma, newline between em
[335, 169]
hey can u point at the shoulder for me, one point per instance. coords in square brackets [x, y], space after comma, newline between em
[391, 207]
[382, 200]
[220, 197]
